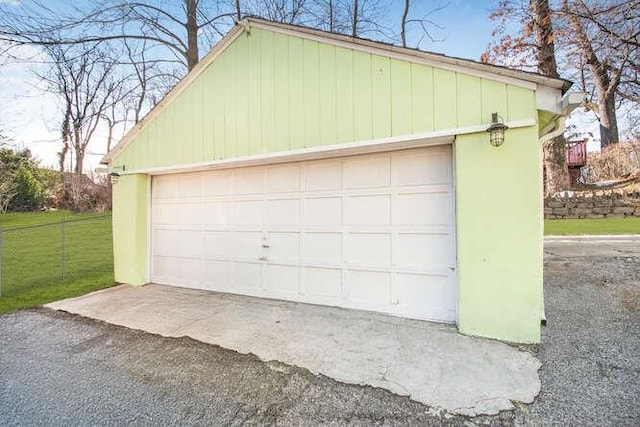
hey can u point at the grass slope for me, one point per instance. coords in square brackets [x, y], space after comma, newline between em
[565, 227]
[36, 270]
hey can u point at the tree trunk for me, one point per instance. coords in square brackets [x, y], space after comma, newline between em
[608, 119]
[554, 158]
[332, 24]
[543, 29]
[604, 83]
[354, 26]
[192, 33]
[403, 30]
[555, 162]
[238, 14]
[78, 148]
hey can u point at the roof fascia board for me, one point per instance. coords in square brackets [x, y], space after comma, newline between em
[424, 139]
[466, 66]
[220, 47]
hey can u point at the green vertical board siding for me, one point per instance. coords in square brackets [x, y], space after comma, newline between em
[494, 99]
[522, 103]
[269, 92]
[327, 86]
[311, 112]
[400, 97]
[296, 93]
[445, 97]
[422, 99]
[499, 236]
[344, 96]
[362, 96]
[469, 97]
[381, 89]
[130, 229]
[281, 101]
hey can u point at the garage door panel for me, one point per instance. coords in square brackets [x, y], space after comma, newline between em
[283, 247]
[191, 185]
[423, 209]
[175, 270]
[415, 250]
[249, 181]
[217, 244]
[372, 172]
[178, 243]
[165, 187]
[282, 280]
[246, 275]
[408, 169]
[218, 183]
[218, 213]
[368, 210]
[368, 249]
[191, 214]
[218, 274]
[283, 179]
[322, 248]
[245, 245]
[371, 232]
[321, 282]
[165, 213]
[283, 211]
[323, 175]
[424, 295]
[247, 212]
[367, 287]
[322, 211]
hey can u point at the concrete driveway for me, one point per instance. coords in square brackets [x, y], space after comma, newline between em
[57, 368]
[429, 362]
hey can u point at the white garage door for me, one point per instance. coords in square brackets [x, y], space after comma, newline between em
[372, 232]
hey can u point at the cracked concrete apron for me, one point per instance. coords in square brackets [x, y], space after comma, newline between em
[429, 362]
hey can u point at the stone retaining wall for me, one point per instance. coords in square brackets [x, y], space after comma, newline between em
[592, 204]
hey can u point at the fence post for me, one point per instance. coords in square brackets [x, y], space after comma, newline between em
[64, 273]
[1, 250]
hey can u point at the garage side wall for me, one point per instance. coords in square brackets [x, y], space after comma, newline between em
[499, 236]
[130, 229]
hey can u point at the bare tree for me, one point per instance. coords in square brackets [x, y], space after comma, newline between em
[606, 39]
[596, 44]
[425, 23]
[85, 84]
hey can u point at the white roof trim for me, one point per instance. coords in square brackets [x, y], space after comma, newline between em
[403, 142]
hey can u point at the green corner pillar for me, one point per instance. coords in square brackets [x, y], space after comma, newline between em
[130, 195]
[499, 236]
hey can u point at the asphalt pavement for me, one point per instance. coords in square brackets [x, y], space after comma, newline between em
[61, 369]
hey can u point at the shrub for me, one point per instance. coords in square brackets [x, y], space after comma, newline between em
[614, 162]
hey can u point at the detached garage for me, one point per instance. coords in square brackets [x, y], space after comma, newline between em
[307, 166]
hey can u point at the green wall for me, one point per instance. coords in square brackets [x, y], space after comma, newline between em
[130, 229]
[499, 236]
[270, 92]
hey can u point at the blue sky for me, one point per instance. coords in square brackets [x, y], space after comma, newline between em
[29, 115]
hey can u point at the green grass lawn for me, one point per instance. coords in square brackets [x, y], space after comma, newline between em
[36, 269]
[564, 227]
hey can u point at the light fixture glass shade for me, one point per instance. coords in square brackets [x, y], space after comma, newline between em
[496, 131]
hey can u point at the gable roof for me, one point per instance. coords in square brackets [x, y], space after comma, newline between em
[524, 79]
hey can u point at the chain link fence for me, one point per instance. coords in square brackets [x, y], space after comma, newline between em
[57, 253]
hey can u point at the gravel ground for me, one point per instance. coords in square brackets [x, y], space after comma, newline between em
[591, 345]
[57, 368]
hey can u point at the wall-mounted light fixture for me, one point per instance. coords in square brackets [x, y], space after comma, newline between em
[114, 174]
[496, 130]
